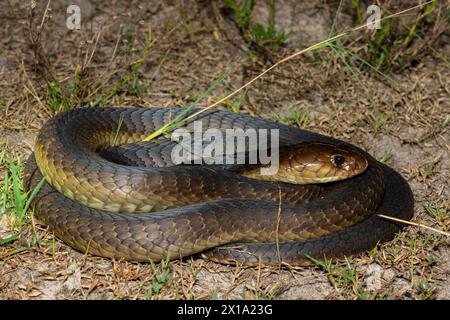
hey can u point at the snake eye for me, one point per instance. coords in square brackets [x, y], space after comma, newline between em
[338, 160]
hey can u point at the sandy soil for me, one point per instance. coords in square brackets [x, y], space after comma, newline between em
[404, 120]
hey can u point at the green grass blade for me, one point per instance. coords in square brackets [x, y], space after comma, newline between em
[359, 58]
[9, 239]
[33, 194]
[351, 67]
[119, 127]
[177, 120]
[5, 195]
[18, 195]
[333, 24]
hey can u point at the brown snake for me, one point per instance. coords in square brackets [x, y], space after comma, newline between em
[111, 203]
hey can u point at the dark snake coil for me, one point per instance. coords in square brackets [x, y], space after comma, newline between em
[226, 217]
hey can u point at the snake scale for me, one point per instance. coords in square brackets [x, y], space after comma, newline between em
[125, 209]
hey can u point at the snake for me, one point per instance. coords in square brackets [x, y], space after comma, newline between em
[106, 192]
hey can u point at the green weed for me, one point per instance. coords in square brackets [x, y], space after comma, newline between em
[255, 33]
[162, 278]
[386, 157]
[390, 48]
[14, 200]
[349, 58]
[299, 116]
[176, 122]
[440, 214]
[346, 279]
[234, 104]
[425, 289]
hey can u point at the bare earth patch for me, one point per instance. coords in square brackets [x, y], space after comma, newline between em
[404, 122]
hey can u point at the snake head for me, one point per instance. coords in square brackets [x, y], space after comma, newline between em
[318, 162]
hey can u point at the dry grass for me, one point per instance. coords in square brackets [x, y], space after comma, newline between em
[404, 121]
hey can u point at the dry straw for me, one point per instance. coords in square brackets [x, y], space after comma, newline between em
[414, 224]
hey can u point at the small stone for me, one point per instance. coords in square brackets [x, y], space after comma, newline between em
[388, 275]
[443, 292]
[400, 286]
[315, 289]
[373, 280]
[74, 281]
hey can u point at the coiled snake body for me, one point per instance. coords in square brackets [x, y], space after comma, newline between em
[102, 207]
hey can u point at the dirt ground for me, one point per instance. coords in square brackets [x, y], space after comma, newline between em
[404, 120]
